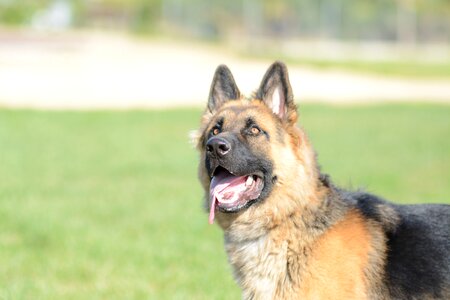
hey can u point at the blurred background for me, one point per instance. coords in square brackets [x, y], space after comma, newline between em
[113, 53]
[98, 190]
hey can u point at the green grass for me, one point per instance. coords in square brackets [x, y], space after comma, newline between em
[106, 205]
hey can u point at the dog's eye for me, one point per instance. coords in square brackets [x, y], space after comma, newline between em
[215, 131]
[255, 130]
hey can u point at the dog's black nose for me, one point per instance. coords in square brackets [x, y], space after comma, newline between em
[218, 146]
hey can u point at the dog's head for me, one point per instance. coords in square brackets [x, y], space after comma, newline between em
[250, 147]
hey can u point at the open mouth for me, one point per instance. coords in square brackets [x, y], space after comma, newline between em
[231, 193]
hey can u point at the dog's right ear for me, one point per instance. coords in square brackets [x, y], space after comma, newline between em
[223, 89]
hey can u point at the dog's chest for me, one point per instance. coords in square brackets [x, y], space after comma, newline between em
[259, 266]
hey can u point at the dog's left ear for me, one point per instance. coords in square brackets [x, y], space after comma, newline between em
[276, 92]
[223, 88]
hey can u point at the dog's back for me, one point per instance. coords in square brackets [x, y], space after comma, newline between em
[417, 264]
[418, 261]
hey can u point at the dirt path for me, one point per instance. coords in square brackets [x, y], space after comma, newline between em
[86, 71]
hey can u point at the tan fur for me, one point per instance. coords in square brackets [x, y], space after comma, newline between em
[274, 248]
[341, 253]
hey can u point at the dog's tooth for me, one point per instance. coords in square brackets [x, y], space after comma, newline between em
[249, 181]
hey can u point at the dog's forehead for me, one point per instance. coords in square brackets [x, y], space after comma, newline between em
[238, 113]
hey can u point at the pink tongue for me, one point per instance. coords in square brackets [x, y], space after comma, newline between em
[225, 188]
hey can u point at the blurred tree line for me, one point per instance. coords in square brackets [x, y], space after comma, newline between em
[396, 20]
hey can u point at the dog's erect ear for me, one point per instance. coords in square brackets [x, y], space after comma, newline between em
[223, 88]
[276, 92]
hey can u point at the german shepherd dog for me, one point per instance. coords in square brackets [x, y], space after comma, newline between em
[289, 232]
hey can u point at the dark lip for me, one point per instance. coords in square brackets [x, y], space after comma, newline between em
[217, 169]
[235, 209]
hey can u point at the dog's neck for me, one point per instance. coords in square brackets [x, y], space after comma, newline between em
[262, 256]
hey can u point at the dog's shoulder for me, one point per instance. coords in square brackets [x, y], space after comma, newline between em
[369, 206]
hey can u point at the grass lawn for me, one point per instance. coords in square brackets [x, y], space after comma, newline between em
[106, 205]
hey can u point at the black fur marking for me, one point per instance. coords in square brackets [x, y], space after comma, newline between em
[220, 122]
[325, 180]
[377, 209]
[223, 89]
[242, 161]
[418, 262]
[274, 179]
[249, 122]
